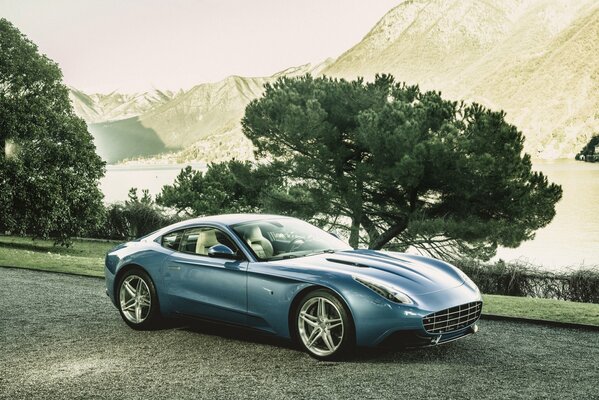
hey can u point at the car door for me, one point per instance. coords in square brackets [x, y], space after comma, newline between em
[204, 286]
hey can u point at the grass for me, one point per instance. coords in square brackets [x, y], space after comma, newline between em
[543, 309]
[86, 257]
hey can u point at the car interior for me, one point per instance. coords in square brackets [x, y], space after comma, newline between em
[266, 239]
[197, 240]
[269, 238]
[257, 242]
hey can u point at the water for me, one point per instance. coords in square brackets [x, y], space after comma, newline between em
[120, 178]
[571, 239]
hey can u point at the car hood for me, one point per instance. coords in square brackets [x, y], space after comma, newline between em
[410, 273]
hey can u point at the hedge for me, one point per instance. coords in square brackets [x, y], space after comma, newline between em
[517, 279]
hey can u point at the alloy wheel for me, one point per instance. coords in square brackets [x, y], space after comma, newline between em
[320, 326]
[135, 299]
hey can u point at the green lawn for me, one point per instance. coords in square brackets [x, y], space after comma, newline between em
[544, 309]
[86, 257]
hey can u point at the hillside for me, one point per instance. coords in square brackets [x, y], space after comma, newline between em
[202, 123]
[538, 60]
[97, 107]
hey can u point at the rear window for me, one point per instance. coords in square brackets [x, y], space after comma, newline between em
[172, 240]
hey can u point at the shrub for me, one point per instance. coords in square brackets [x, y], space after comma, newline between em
[133, 218]
[518, 279]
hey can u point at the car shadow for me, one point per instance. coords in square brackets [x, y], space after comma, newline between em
[226, 331]
[377, 355]
[399, 354]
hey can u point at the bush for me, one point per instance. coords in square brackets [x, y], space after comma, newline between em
[133, 218]
[517, 279]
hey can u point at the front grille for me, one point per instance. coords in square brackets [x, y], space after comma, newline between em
[453, 319]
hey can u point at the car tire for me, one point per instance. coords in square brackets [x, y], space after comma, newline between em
[137, 300]
[323, 326]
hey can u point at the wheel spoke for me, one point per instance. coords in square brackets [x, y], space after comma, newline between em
[139, 286]
[316, 333]
[334, 325]
[321, 309]
[138, 312]
[334, 322]
[328, 340]
[309, 319]
[144, 301]
[129, 305]
[129, 302]
[129, 288]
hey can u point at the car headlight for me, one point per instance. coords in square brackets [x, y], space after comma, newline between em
[385, 290]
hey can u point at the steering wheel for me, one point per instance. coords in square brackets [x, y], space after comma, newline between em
[295, 244]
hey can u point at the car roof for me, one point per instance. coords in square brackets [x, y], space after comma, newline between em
[232, 219]
[222, 219]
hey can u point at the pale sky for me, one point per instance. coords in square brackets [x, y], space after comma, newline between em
[136, 45]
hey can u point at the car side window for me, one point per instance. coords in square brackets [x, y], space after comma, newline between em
[190, 240]
[172, 240]
[199, 240]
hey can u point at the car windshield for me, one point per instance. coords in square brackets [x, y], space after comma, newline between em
[281, 238]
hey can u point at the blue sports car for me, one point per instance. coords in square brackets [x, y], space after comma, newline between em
[289, 278]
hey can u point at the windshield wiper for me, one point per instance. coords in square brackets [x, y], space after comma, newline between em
[329, 251]
[288, 256]
[283, 257]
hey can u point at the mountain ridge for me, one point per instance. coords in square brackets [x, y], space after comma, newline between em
[198, 124]
[498, 72]
[535, 59]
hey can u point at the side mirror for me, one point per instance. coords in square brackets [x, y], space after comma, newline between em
[222, 251]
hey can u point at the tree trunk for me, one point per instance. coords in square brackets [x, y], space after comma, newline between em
[388, 235]
[373, 233]
[354, 233]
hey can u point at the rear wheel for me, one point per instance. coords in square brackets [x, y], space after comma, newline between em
[324, 327]
[137, 300]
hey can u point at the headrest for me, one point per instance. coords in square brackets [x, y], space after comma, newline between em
[206, 239]
[253, 233]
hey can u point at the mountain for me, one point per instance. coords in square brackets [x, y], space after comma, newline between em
[538, 60]
[113, 106]
[202, 123]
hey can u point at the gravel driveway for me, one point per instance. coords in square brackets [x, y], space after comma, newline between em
[60, 337]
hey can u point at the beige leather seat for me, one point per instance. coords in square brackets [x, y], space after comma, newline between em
[261, 245]
[206, 239]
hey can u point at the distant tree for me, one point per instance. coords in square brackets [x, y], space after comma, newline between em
[231, 186]
[589, 148]
[133, 218]
[143, 216]
[49, 178]
[398, 167]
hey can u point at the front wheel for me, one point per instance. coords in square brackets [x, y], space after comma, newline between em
[324, 326]
[137, 300]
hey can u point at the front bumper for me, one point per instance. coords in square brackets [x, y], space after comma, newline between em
[378, 320]
[415, 338]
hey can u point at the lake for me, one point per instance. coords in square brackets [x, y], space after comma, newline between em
[571, 239]
[120, 178]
